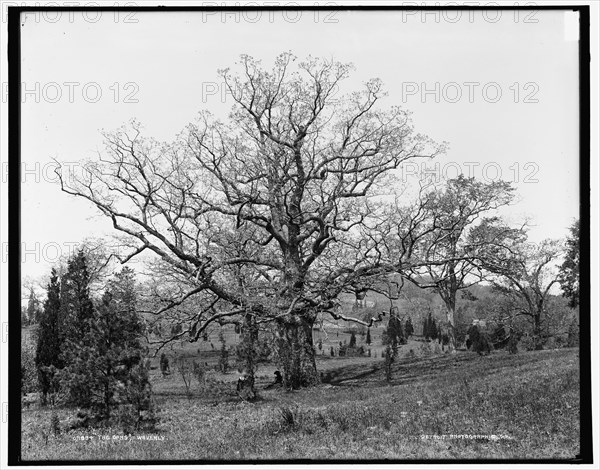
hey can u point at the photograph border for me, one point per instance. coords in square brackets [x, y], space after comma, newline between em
[15, 216]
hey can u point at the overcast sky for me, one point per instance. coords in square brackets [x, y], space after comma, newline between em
[502, 89]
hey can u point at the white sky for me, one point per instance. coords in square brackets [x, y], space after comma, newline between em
[169, 59]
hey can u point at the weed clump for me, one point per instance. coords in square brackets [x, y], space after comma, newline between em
[55, 424]
[288, 416]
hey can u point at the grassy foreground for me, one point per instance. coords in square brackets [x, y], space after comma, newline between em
[463, 406]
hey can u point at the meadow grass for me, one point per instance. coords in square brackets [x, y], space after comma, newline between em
[526, 406]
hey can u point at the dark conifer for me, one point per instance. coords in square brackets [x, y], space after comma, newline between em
[47, 355]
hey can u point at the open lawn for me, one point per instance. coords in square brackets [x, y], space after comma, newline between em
[523, 406]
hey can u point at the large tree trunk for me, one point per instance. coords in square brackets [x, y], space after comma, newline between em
[449, 298]
[296, 353]
[451, 325]
[247, 350]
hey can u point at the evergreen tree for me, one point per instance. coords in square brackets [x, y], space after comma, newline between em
[393, 334]
[368, 338]
[352, 340]
[430, 327]
[76, 307]
[569, 270]
[104, 367]
[47, 354]
[408, 328]
[75, 318]
[433, 329]
[33, 308]
[479, 340]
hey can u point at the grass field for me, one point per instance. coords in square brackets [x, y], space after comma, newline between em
[523, 406]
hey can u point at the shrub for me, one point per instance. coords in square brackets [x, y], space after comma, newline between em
[127, 418]
[499, 335]
[347, 351]
[528, 343]
[55, 424]
[480, 341]
[86, 419]
[164, 364]
[288, 416]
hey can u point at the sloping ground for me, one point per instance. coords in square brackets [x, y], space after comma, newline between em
[452, 407]
[463, 364]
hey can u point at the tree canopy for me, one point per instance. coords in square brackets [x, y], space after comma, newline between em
[272, 213]
[461, 229]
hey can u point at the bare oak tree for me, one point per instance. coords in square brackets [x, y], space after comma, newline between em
[526, 275]
[270, 215]
[448, 254]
